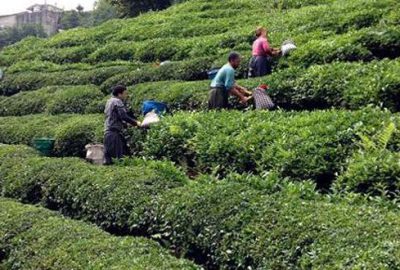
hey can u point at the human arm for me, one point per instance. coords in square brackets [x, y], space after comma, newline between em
[242, 89]
[276, 52]
[229, 81]
[123, 115]
[266, 47]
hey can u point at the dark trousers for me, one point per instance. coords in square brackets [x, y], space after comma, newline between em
[115, 146]
[218, 99]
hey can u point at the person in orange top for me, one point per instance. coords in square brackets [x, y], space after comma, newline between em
[260, 63]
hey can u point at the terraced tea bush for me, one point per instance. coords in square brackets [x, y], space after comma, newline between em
[72, 136]
[236, 223]
[52, 99]
[324, 86]
[238, 228]
[185, 70]
[308, 145]
[71, 133]
[161, 35]
[103, 195]
[46, 66]
[318, 87]
[374, 168]
[348, 85]
[362, 45]
[296, 145]
[28, 81]
[177, 94]
[16, 151]
[375, 173]
[60, 243]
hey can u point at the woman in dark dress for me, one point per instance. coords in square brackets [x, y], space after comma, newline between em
[260, 63]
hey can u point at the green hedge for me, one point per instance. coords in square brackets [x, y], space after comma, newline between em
[307, 145]
[241, 222]
[372, 172]
[204, 22]
[28, 81]
[34, 238]
[71, 133]
[318, 87]
[52, 100]
[362, 45]
[184, 70]
[238, 228]
[348, 85]
[323, 86]
[115, 198]
[46, 66]
[208, 33]
[301, 146]
[106, 76]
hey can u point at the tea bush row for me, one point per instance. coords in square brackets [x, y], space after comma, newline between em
[301, 146]
[238, 223]
[53, 100]
[35, 238]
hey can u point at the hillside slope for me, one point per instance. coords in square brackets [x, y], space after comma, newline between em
[197, 35]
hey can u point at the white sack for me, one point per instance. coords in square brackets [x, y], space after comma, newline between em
[150, 119]
[95, 153]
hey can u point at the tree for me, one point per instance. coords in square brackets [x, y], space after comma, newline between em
[70, 19]
[103, 11]
[12, 35]
[135, 7]
[80, 8]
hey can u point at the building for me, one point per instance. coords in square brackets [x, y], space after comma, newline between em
[46, 15]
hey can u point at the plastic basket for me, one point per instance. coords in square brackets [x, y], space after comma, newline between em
[44, 145]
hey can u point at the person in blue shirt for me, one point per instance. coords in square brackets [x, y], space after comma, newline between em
[224, 85]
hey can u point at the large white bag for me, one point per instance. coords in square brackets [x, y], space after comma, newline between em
[150, 119]
[287, 47]
[95, 153]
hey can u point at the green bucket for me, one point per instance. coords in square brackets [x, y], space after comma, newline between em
[44, 145]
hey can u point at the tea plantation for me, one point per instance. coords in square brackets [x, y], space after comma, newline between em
[314, 184]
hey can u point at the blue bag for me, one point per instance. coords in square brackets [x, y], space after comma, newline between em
[157, 107]
[212, 73]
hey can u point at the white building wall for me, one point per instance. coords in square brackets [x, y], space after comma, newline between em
[8, 21]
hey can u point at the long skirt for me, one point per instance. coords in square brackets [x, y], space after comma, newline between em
[260, 66]
[115, 146]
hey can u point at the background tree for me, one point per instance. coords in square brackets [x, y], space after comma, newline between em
[80, 8]
[103, 11]
[12, 35]
[70, 19]
[135, 7]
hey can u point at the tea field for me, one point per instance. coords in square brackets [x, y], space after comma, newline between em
[314, 184]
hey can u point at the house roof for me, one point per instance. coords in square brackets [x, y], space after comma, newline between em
[31, 8]
[10, 15]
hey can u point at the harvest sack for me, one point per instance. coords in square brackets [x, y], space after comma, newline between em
[261, 99]
[287, 47]
[95, 153]
[150, 119]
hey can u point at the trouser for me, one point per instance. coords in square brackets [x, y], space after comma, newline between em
[218, 99]
[115, 146]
